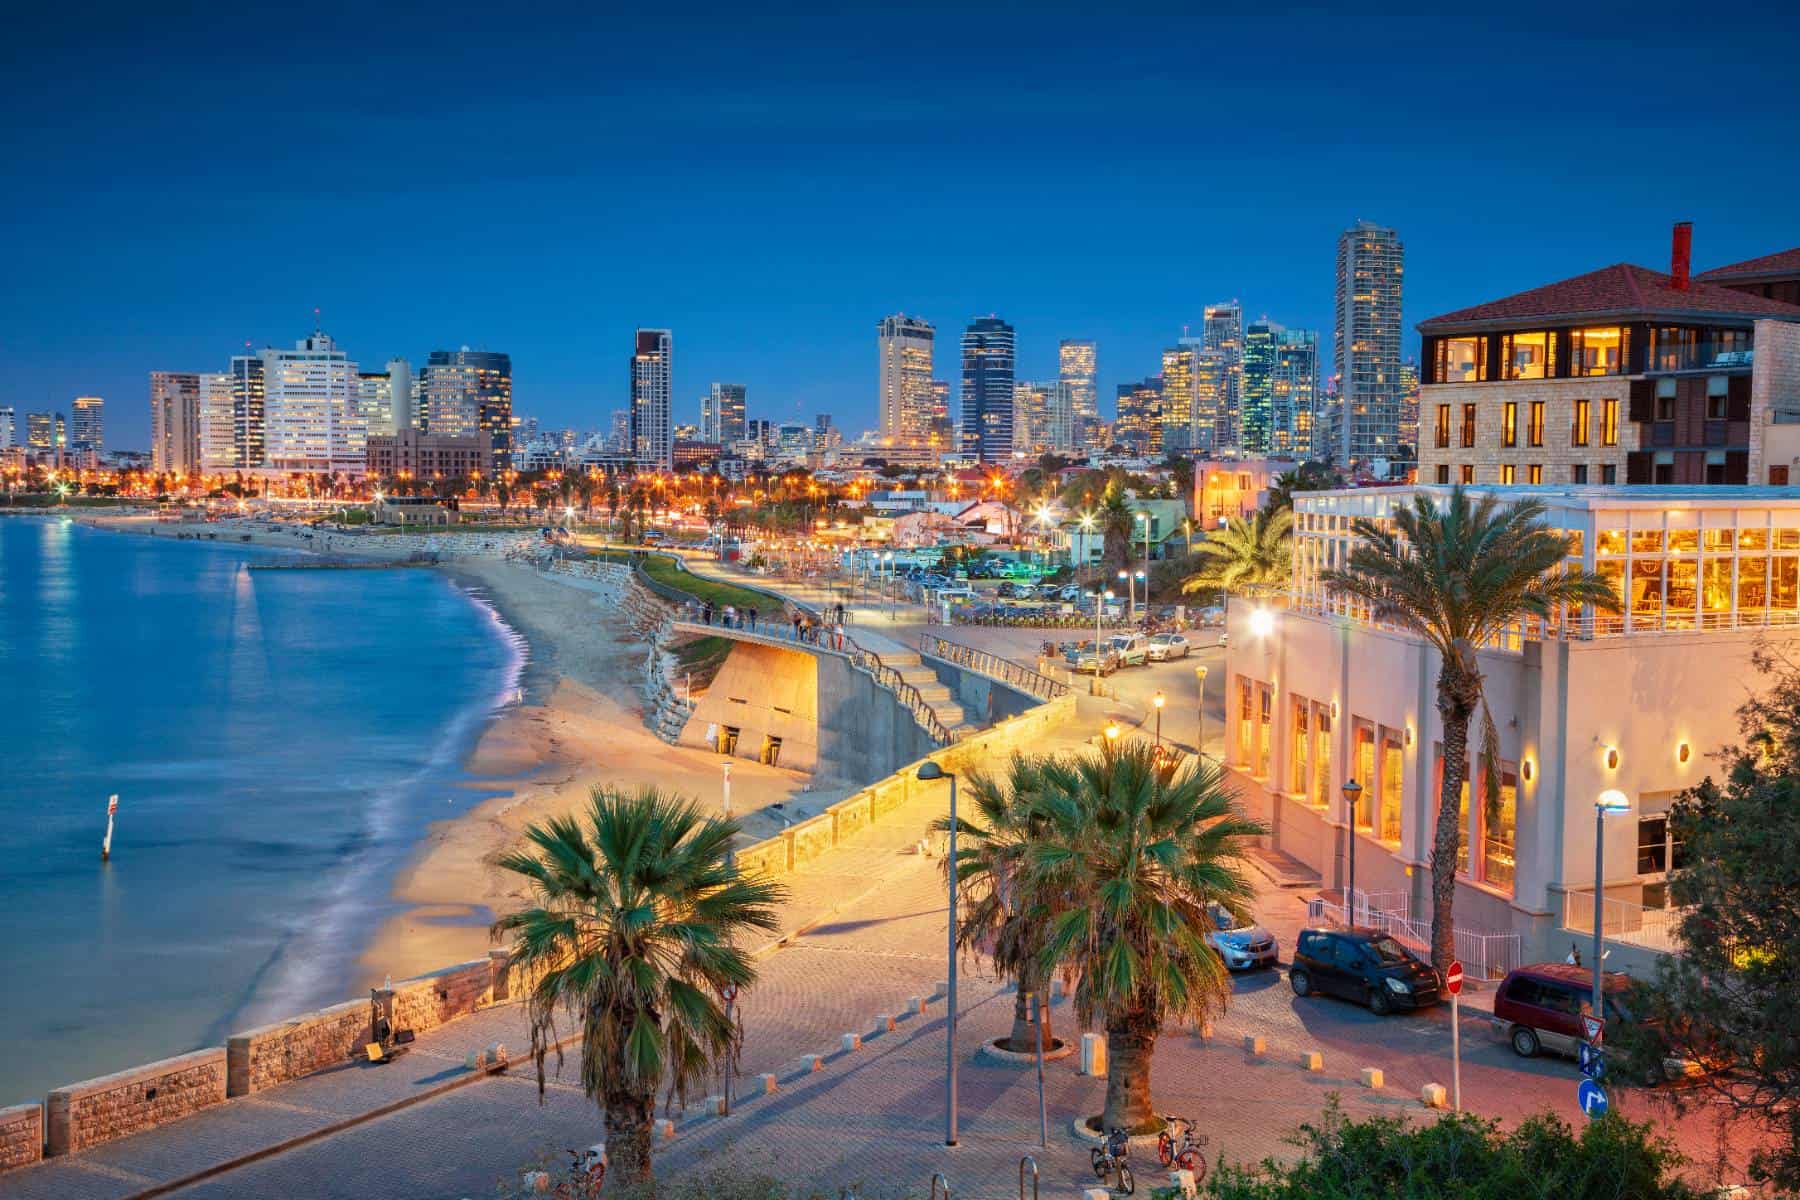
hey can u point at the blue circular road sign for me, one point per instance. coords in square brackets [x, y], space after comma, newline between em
[1592, 1098]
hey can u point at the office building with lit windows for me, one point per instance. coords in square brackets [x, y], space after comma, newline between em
[722, 414]
[1280, 391]
[652, 379]
[464, 392]
[987, 390]
[1179, 415]
[174, 422]
[1621, 375]
[1222, 332]
[1078, 366]
[904, 347]
[87, 424]
[1371, 268]
[312, 414]
[1319, 693]
[1140, 423]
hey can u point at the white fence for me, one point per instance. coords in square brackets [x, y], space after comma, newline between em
[1656, 929]
[1483, 955]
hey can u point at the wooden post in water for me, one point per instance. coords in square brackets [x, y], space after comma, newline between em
[112, 806]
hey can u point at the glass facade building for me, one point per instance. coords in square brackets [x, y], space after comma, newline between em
[987, 390]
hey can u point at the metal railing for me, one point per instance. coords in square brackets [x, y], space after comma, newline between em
[993, 666]
[1656, 929]
[1483, 955]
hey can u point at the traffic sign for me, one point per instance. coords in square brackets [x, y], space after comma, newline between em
[1592, 1098]
[1453, 978]
[728, 993]
[1594, 1027]
[1593, 1064]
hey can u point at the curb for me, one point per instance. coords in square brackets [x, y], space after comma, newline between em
[1012, 1058]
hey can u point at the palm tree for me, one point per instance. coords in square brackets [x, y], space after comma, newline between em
[1129, 858]
[1115, 531]
[992, 915]
[1457, 577]
[1248, 556]
[629, 932]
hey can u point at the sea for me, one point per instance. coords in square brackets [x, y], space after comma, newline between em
[278, 741]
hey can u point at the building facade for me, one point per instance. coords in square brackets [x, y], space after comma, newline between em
[249, 410]
[722, 413]
[904, 346]
[1222, 332]
[174, 422]
[652, 378]
[1078, 366]
[8, 429]
[312, 416]
[417, 454]
[1622, 375]
[1371, 269]
[87, 425]
[1179, 414]
[987, 390]
[464, 392]
[1281, 381]
[1140, 423]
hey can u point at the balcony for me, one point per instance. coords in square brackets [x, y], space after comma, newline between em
[1656, 929]
[1706, 354]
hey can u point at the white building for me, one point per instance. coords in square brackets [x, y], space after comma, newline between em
[174, 422]
[1316, 695]
[312, 412]
[8, 429]
[217, 423]
[652, 371]
[905, 347]
[87, 425]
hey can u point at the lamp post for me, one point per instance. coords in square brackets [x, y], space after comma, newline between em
[1200, 712]
[1130, 597]
[929, 771]
[1352, 793]
[1612, 800]
[1157, 702]
[1145, 518]
[1100, 599]
[1145, 580]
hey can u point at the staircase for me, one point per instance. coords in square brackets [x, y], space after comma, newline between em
[912, 670]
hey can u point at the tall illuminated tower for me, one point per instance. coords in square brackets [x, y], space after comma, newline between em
[904, 347]
[1371, 267]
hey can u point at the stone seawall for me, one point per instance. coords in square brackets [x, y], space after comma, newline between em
[21, 1135]
[113, 1106]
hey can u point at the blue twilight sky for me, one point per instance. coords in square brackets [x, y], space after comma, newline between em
[769, 180]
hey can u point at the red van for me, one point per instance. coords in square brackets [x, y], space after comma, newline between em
[1540, 1006]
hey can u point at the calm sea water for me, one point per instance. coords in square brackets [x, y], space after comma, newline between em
[277, 739]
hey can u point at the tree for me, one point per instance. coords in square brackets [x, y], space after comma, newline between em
[1310, 476]
[1728, 999]
[991, 915]
[1115, 531]
[630, 932]
[1457, 577]
[1248, 557]
[1130, 855]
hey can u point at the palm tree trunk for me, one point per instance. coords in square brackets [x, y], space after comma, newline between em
[628, 1120]
[1022, 1040]
[1455, 711]
[1130, 1043]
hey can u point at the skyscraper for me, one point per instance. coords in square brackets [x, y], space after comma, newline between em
[312, 418]
[218, 424]
[87, 425]
[904, 345]
[722, 414]
[249, 442]
[1078, 366]
[943, 430]
[40, 433]
[1255, 387]
[1179, 417]
[1031, 416]
[1140, 416]
[987, 390]
[174, 421]
[652, 371]
[375, 402]
[1222, 332]
[403, 389]
[8, 429]
[1294, 417]
[1370, 270]
[464, 392]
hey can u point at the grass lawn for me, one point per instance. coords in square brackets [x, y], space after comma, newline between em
[665, 571]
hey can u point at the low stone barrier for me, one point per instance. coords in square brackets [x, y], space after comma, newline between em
[98, 1110]
[21, 1135]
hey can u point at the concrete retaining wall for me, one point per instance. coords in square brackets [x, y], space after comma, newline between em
[982, 697]
[21, 1135]
[113, 1106]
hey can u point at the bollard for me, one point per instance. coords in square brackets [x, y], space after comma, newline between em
[811, 1062]
[1205, 1031]
[1093, 1054]
[943, 989]
[1095, 1194]
[767, 1083]
[1182, 1181]
[1312, 1060]
[884, 1023]
[916, 1004]
[1371, 1077]
[1432, 1095]
[715, 1106]
[665, 1130]
[1254, 1044]
[852, 1042]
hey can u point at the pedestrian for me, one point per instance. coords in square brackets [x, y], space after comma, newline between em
[753, 616]
[730, 615]
[840, 613]
[797, 623]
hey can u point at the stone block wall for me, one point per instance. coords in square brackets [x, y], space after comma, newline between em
[1558, 453]
[113, 1106]
[428, 1001]
[262, 1058]
[21, 1135]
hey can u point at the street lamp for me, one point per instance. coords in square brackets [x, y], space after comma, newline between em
[928, 772]
[1100, 599]
[1200, 711]
[1130, 597]
[1158, 701]
[1352, 794]
[1112, 733]
[1612, 800]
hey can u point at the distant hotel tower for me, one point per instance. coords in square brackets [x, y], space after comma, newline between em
[652, 369]
[1370, 270]
[1077, 364]
[312, 418]
[905, 349]
[1222, 333]
[467, 392]
[174, 422]
[722, 414]
[87, 425]
[987, 390]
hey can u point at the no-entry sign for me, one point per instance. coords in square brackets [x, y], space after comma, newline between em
[1453, 979]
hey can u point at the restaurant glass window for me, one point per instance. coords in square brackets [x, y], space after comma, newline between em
[1597, 351]
[1265, 730]
[1529, 355]
[1679, 613]
[1302, 743]
[1646, 592]
[1578, 428]
[1509, 424]
[1784, 586]
[1499, 833]
[1321, 791]
[1752, 588]
[1246, 720]
[1536, 432]
[1393, 778]
[1365, 774]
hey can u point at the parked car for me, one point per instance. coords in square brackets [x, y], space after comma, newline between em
[955, 591]
[1364, 965]
[1240, 947]
[1132, 649]
[1072, 593]
[1539, 1008]
[1085, 657]
[1211, 617]
[1164, 646]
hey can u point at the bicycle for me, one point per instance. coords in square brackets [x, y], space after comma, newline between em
[587, 1171]
[1182, 1147]
[1109, 1157]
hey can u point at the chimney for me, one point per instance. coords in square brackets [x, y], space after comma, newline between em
[1681, 248]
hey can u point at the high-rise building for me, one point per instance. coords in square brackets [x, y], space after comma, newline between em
[174, 422]
[1294, 418]
[8, 429]
[1179, 416]
[375, 401]
[904, 345]
[943, 431]
[987, 390]
[87, 425]
[40, 432]
[464, 392]
[1078, 366]
[1210, 375]
[652, 372]
[1370, 271]
[1031, 416]
[1222, 332]
[249, 426]
[403, 389]
[722, 414]
[312, 419]
[1064, 433]
[218, 425]
[1140, 416]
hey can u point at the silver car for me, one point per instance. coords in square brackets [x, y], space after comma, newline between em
[1164, 646]
[1242, 947]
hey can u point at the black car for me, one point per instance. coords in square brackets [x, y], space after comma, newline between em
[1364, 965]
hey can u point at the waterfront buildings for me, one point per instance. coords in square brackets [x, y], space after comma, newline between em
[1222, 332]
[424, 455]
[464, 392]
[1078, 365]
[217, 432]
[1370, 272]
[46, 434]
[1621, 375]
[987, 390]
[1319, 693]
[248, 412]
[311, 411]
[8, 429]
[904, 346]
[1280, 385]
[375, 402]
[1140, 425]
[722, 414]
[1179, 413]
[174, 422]
[652, 370]
[87, 425]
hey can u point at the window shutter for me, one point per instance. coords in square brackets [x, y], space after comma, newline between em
[1737, 398]
[1643, 400]
[1637, 467]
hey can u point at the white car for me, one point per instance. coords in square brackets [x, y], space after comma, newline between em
[1242, 947]
[1164, 646]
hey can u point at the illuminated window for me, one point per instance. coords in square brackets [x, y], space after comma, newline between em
[1365, 775]
[1508, 473]
[1461, 360]
[1646, 592]
[1302, 742]
[1468, 473]
[1509, 424]
[1443, 426]
[1597, 351]
[1578, 429]
[1321, 792]
[1468, 426]
[1537, 423]
[1529, 355]
[1534, 473]
[1393, 767]
[1609, 424]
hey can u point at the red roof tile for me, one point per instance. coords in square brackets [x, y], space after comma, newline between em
[1786, 262]
[1621, 291]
